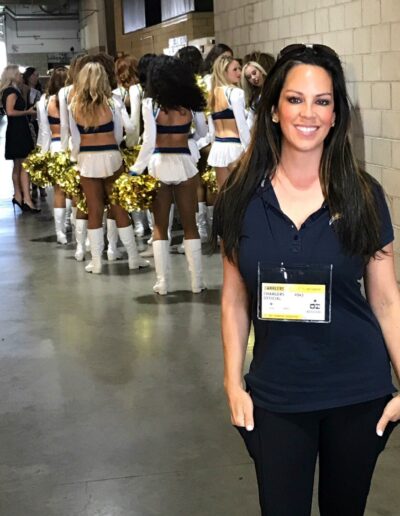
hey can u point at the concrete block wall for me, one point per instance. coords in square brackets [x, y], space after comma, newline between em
[366, 34]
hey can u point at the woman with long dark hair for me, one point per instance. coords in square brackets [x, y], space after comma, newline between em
[172, 97]
[49, 139]
[96, 131]
[302, 224]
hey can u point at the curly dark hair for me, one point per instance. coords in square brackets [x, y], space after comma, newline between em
[143, 66]
[214, 53]
[191, 56]
[171, 83]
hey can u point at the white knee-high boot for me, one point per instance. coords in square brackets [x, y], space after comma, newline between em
[96, 238]
[194, 261]
[201, 220]
[162, 265]
[68, 214]
[112, 237]
[73, 215]
[170, 222]
[210, 216]
[59, 222]
[80, 236]
[127, 237]
[137, 217]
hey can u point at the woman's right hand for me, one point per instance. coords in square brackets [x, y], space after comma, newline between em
[31, 111]
[241, 407]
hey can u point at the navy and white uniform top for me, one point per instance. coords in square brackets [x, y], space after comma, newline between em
[65, 130]
[46, 140]
[226, 150]
[98, 160]
[300, 367]
[171, 165]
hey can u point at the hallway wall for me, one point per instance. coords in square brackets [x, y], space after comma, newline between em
[366, 34]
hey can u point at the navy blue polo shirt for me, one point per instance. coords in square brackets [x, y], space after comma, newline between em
[299, 367]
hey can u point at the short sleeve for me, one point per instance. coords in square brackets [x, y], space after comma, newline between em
[387, 233]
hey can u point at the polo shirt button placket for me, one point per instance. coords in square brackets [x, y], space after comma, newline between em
[296, 242]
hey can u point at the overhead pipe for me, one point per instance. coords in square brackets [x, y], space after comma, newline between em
[38, 17]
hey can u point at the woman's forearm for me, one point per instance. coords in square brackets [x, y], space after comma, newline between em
[389, 320]
[18, 113]
[235, 335]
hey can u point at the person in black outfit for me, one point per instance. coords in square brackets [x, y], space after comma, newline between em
[302, 225]
[19, 141]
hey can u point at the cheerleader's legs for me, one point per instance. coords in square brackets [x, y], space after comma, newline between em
[59, 215]
[125, 229]
[94, 191]
[222, 175]
[161, 211]
[186, 199]
[185, 195]
[112, 236]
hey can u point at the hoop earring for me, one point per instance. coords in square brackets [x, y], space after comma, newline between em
[275, 119]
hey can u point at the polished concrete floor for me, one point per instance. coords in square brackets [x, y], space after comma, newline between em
[111, 399]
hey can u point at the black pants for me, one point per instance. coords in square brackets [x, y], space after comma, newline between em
[285, 447]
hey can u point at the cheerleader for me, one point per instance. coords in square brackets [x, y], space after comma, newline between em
[49, 139]
[78, 218]
[172, 97]
[191, 56]
[228, 125]
[130, 92]
[96, 132]
[253, 78]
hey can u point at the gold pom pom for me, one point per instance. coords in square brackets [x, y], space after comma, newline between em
[202, 85]
[66, 176]
[36, 164]
[129, 156]
[134, 193]
[209, 179]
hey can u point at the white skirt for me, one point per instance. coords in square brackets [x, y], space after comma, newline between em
[223, 154]
[194, 151]
[55, 146]
[99, 164]
[172, 169]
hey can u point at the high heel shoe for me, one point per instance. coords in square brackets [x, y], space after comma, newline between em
[27, 208]
[16, 203]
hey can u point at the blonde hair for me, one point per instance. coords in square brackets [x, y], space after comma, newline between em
[218, 77]
[248, 88]
[8, 77]
[91, 92]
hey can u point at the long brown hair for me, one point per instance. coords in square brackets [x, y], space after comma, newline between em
[348, 190]
[126, 71]
[56, 82]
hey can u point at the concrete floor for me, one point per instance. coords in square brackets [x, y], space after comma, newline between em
[111, 397]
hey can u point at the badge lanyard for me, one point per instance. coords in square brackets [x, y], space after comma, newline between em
[300, 293]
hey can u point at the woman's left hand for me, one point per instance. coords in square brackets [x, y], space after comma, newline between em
[391, 413]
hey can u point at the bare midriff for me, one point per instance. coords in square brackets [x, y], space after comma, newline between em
[104, 116]
[173, 117]
[226, 128]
